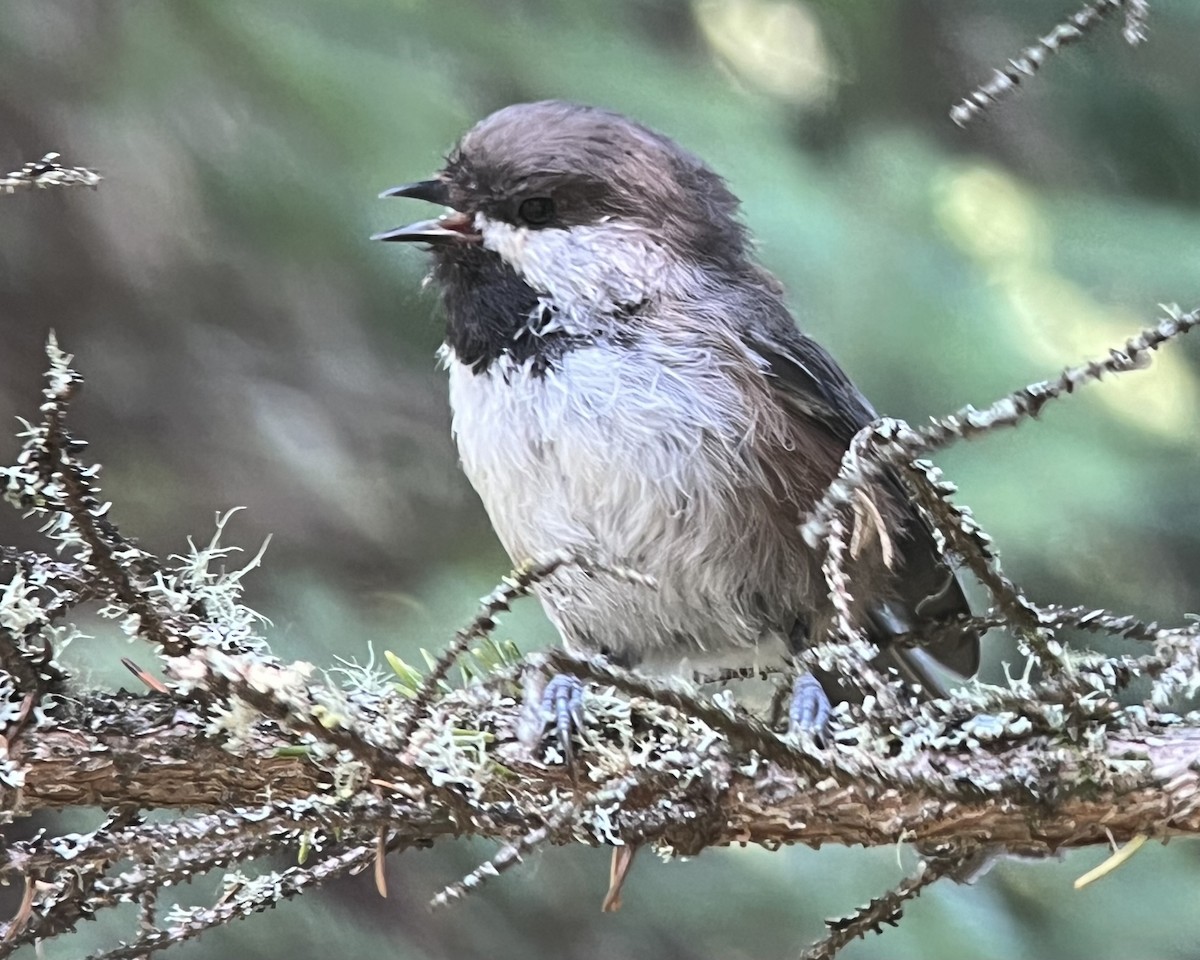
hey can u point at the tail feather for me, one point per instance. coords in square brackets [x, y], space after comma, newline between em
[919, 666]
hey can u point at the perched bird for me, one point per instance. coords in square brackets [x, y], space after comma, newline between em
[628, 383]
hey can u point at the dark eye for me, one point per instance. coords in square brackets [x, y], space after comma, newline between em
[536, 211]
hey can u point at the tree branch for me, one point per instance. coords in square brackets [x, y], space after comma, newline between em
[1016, 788]
[258, 755]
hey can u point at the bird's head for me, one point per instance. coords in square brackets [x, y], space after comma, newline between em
[580, 203]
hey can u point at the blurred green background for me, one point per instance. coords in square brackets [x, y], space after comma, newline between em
[244, 344]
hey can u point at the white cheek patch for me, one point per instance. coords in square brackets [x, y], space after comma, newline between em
[583, 269]
[503, 238]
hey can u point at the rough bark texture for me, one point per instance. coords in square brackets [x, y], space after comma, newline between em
[151, 753]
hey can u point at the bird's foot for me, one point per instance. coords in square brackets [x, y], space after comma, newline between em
[562, 707]
[811, 709]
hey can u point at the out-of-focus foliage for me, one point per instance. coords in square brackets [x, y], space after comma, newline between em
[244, 344]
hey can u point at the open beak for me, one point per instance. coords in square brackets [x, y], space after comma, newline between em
[452, 227]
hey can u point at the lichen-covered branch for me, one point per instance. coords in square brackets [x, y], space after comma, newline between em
[254, 755]
[1012, 786]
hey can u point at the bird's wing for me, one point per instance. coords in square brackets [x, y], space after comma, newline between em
[813, 385]
[817, 390]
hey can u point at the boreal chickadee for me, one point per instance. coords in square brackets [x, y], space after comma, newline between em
[628, 383]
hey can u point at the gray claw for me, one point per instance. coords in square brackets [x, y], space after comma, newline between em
[811, 709]
[562, 706]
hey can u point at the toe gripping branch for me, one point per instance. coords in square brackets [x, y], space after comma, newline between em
[811, 709]
[562, 708]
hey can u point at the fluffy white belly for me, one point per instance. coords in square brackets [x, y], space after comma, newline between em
[640, 459]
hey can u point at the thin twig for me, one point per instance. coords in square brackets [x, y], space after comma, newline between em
[288, 883]
[1136, 14]
[887, 909]
[888, 442]
[967, 538]
[511, 854]
[1076, 27]
[517, 584]
[48, 172]
[846, 641]
[88, 515]
[1097, 621]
